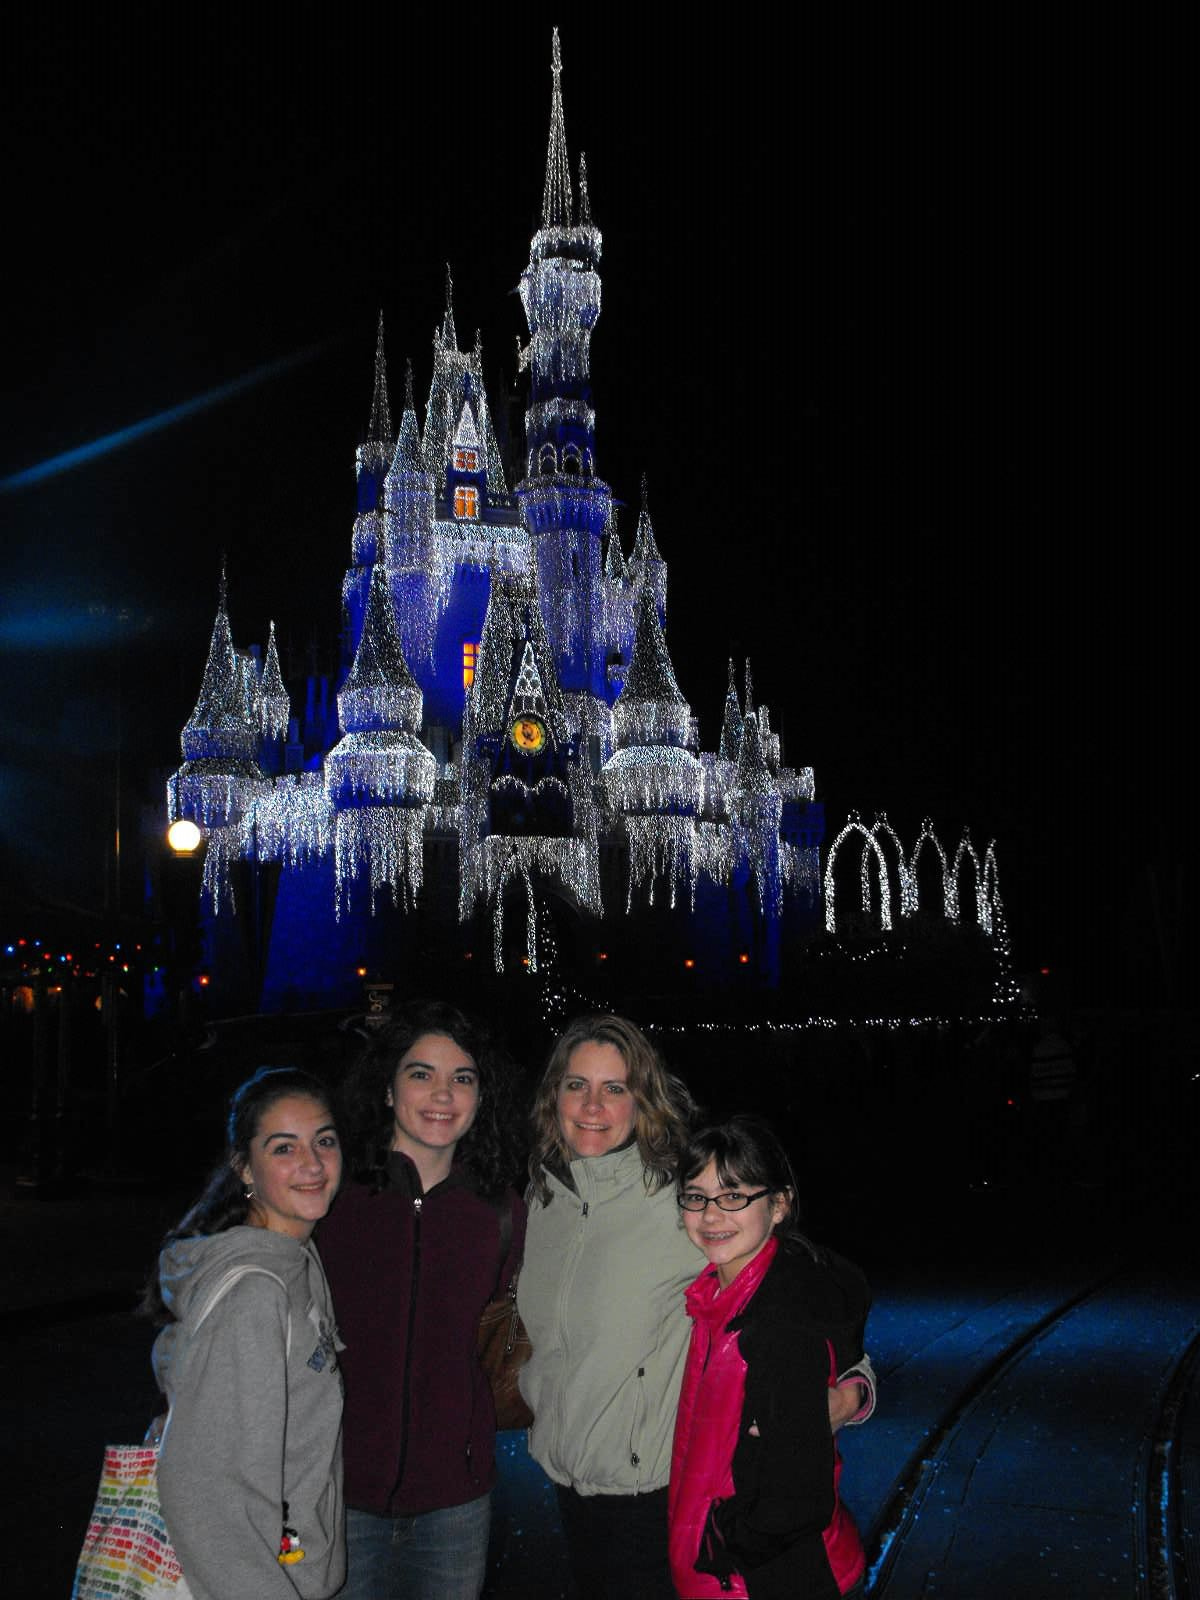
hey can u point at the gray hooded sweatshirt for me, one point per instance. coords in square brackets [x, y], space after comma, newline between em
[256, 1416]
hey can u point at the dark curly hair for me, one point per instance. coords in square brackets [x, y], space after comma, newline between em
[223, 1202]
[664, 1107]
[489, 1150]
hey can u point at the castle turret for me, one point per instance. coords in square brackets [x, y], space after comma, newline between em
[220, 740]
[731, 723]
[653, 781]
[375, 453]
[368, 540]
[451, 462]
[646, 565]
[379, 776]
[220, 779]
[757, 809]
[566, 506]
[408, 493]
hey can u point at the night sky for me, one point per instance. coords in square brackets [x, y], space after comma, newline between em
[875, 324]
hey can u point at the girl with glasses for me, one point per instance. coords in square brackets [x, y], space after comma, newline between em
[753, 1506]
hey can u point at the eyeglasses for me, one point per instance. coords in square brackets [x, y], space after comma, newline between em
[693, 1200]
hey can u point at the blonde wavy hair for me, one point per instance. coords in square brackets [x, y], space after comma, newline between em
[664, 1106]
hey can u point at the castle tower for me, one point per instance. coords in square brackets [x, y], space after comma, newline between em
[653, 781]
[408, 494]
[566, 506]
[379, 776]
[368, 539]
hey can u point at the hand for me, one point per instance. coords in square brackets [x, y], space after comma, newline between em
[845, 1403]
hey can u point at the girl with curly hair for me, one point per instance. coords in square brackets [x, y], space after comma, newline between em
[422, 1237]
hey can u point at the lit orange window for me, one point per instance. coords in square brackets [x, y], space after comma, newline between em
[465, 460]
[470, 657]
[466, 501]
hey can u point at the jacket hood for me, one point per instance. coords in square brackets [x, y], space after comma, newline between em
[189, 1269]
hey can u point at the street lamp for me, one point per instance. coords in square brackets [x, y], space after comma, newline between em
[184, 837]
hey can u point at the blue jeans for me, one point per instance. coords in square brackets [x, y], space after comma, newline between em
[440, 1555]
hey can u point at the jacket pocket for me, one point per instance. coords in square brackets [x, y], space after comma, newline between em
[713, 1555]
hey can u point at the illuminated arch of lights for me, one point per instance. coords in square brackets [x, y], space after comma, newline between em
[874, 869]
[855, 825]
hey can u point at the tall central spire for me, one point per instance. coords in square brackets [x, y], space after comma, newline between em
[380, 426]
[556, 196]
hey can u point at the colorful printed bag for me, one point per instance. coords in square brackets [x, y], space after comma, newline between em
[127, 1554]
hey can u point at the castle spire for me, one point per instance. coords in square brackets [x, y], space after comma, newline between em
[449, 332]
[651, 675]
[556, 195]
[407, 457]
[380, 426]
[749, 689]
[614, 556]
[275, 707]
[732, 723]
[380, 692]
[644, 547]
[218, 725]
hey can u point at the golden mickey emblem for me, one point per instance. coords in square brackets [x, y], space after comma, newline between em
[528, 734]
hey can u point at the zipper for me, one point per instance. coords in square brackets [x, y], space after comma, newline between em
[408, 1343]
[564, 1293]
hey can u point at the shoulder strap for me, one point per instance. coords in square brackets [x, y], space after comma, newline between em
[235, 1276]
[506, 1234]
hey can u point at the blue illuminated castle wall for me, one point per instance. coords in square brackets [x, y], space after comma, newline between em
[506, 746]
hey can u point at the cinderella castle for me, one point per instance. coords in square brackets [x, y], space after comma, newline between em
[506, 769]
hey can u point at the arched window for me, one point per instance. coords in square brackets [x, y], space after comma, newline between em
[547, 460]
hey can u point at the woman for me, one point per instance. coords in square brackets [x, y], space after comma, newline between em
[607, 1263]
[754, 1508]
[250, 1473]
[601, 1295]
[415, 1248]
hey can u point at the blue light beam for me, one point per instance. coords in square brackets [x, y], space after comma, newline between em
[54, 466]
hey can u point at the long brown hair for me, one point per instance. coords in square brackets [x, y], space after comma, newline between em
[664, 1106]
[490, 1150]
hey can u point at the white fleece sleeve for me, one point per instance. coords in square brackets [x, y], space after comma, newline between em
[864, 1373]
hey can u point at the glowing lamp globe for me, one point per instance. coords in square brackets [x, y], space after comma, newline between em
[183, 837]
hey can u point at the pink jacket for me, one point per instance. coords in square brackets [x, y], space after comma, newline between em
[753, 1506]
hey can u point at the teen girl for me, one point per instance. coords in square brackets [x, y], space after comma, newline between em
[250, 1468]
[753, 1506]
[426, 1231]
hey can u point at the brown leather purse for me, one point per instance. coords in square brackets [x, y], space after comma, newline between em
[503, 1345]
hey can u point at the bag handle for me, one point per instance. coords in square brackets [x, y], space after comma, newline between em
[233, 1277]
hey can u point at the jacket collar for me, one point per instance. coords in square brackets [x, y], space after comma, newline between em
[708, 1302]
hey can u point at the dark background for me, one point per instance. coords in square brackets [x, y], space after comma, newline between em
[878, 323]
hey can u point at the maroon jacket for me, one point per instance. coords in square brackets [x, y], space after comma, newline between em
[410, 1274]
